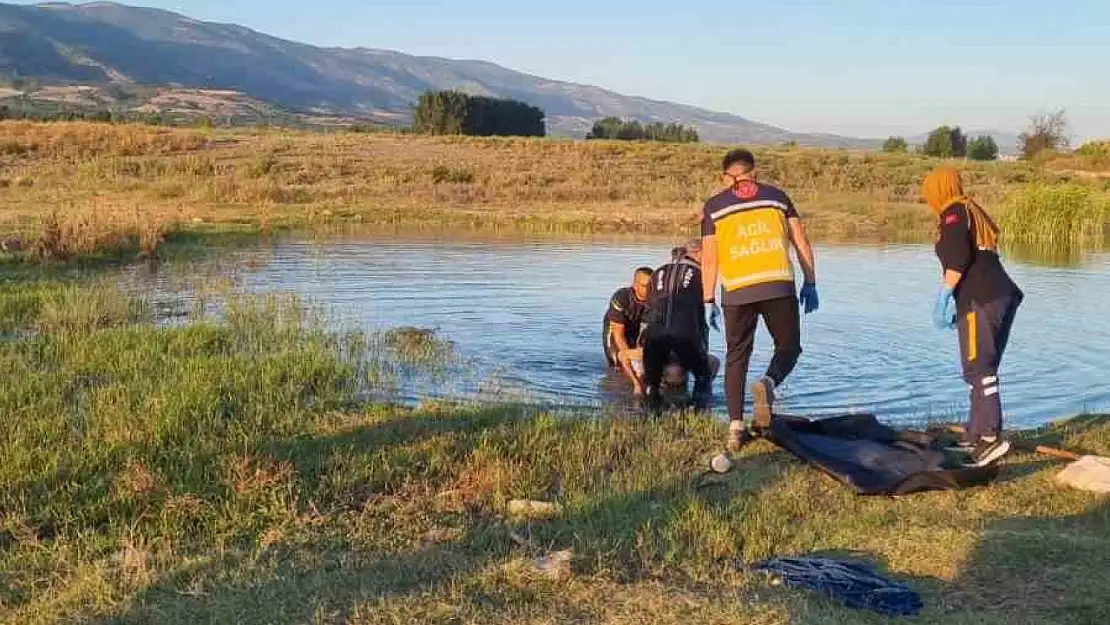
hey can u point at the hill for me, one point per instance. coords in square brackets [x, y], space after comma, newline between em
[106, 44]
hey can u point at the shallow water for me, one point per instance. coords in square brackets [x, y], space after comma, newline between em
[528, 315]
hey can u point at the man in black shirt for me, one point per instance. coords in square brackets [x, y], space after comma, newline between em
[675, 324]
[620, 330]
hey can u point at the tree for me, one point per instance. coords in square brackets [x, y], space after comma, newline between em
[983, 149]
[895, 144]
[939, 143]
[632, 130]
[1047, 131]
[440, 113]
[946, 142]
[457, 113]
[959, 142]
[606, 128]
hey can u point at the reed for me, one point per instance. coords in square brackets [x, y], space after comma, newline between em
[1061, 214]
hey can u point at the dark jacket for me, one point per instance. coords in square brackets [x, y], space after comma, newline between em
[675, 303]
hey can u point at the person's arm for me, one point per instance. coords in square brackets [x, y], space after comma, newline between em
[801, 243]
[619, 336]
[709, 261]
[709, 268]
[625, 358]
[954, 246]
[618, 320]
[952, 278]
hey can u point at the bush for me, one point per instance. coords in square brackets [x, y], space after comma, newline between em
[441, 174]
[1047, 132]
[1096, 149]
[1056, 213]
[983, 149]
[895, 144]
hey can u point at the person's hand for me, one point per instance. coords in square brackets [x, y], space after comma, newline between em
[944, 310]
[808, 297]
[714, 316]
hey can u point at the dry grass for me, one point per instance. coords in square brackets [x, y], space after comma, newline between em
[123, 186]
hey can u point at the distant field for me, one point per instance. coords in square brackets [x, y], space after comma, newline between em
[139, 182]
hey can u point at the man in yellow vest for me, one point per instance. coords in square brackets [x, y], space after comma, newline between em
[747, 232]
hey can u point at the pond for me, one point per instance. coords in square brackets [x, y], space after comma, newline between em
[527, 313]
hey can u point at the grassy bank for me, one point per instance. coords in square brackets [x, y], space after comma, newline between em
[74, 187]
[227, 470]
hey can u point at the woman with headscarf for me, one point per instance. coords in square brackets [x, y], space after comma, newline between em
[978, 297]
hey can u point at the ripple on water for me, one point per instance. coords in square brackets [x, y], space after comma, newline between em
[528, 315]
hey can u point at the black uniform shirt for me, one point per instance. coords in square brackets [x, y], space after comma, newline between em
[627, 311]
[984, 279]
[676, 304]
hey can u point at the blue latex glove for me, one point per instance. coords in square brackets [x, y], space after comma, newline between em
[944, 311]
[714, 317]
[808, 297]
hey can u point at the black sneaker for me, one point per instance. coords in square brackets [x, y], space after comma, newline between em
[763, 399]
[987, 452]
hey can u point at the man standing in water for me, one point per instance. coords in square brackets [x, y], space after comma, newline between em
[621, 327]
[747, 232]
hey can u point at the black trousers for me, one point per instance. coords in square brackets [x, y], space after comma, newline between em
[984, 332]
[658, 346]
[782, 320]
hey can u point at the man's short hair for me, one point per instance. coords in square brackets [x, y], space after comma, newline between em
[742, 157]
[647, 271]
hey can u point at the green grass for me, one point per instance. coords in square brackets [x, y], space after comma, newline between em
[227, 471]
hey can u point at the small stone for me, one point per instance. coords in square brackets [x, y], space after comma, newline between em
[721, 463]
[1090, 473]
[533, 509]
[555, 565]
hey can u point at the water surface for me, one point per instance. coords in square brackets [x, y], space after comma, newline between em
[528, 314]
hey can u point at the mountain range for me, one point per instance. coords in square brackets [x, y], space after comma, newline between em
[105, 54]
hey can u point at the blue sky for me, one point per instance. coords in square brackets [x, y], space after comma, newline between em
[859, 68]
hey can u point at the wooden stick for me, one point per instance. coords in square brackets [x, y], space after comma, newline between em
[1058, 453]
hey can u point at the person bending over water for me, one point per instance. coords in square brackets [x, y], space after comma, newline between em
[976, 296]
[675, 324]
[674, 376]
